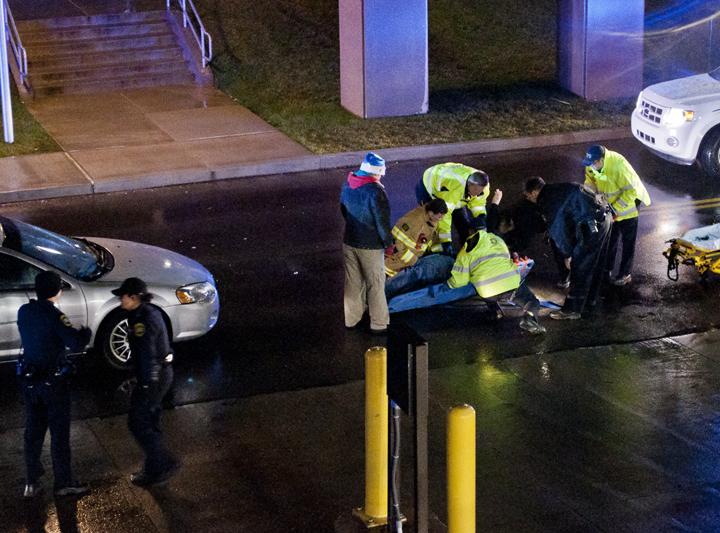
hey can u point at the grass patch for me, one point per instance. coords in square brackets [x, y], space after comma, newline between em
[30, 136]
[492, 74]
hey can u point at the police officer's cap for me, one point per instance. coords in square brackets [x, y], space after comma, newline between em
[131, 286]
[479, 178]
[594, 153]
[47, 285]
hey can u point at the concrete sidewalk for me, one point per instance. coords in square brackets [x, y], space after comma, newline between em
[617, 438]
[142, 138]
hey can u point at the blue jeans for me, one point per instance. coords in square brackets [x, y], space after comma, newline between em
[437, 294]
[429, 270]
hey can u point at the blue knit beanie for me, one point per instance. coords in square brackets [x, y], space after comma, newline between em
[372, 165]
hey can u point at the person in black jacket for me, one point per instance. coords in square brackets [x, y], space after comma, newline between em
[578, 223]
[44, 370]
[152, 357]
[366, 210]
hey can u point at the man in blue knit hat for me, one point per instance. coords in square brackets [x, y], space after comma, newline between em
[365, 207]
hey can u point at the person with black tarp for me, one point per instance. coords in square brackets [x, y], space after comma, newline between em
[44, 370]
[578, 223]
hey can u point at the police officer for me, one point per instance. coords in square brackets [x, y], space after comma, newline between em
[579, 224]
[44, 371]
[152, 357]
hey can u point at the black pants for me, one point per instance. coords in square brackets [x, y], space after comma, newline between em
[625, 232]
[588, 268]
[47, 407]
[144, 423]
[563, 271]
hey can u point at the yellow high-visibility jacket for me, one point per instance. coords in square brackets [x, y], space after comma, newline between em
[477, 204]
[487, 266]
[447, 181]
[412, 235]
[619, 184]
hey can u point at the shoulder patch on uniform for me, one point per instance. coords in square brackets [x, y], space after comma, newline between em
[405, 227]
[139, 329]
[65, 320]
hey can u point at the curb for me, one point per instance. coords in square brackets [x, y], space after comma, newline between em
[308, 163]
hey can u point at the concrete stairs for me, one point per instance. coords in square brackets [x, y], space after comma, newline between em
[78, 55]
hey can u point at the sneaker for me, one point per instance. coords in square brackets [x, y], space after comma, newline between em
[530, 324]
[31, 490]
[74, 489]
[622, 281]
[564, 315]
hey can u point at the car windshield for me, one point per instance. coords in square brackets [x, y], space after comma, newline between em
[715, 74]
[78, 258]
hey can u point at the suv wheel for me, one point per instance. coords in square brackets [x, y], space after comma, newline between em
[112, 341]
[709, 154]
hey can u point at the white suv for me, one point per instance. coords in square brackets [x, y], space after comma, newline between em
[679, 120]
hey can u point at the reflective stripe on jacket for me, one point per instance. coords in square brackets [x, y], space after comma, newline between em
[447, 181]
[619, 184]
[487, 266]
[413, 234]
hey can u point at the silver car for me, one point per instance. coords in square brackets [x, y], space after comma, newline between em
[90, 268]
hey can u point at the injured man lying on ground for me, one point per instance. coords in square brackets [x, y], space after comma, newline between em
[483, 268]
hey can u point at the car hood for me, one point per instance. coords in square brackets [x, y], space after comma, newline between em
[155, 266]
[691, 90]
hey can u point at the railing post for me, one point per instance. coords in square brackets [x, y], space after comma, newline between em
[185, 16]
[167, 5]
[8, 128]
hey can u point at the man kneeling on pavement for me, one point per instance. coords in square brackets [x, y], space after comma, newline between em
[409, 265]
[483, 268]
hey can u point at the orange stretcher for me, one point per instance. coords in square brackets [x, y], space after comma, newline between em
[699, 247]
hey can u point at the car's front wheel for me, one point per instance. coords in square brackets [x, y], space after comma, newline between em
[112, 341]
[709, 154]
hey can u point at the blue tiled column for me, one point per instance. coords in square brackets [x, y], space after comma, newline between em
[384, 57]
[600, 47]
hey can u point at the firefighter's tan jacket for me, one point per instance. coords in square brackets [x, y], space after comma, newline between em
[412, 234]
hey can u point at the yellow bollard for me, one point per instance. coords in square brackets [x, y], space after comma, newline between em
[461, 469]
[374, 513]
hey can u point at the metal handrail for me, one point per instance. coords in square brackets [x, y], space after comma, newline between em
[202, 37]
[16, 45]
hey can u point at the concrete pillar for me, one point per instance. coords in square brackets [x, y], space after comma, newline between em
[600, 47]
[384, 57]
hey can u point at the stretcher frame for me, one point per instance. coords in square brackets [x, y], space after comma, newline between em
[684, 252]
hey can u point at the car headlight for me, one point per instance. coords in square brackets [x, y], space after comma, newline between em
[203, 293]
[675, 117]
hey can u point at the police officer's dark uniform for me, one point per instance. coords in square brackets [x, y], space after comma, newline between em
[579, 224]
[44, 372]
[152, 356]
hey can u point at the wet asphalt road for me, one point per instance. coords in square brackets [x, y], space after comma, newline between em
[273, 244]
